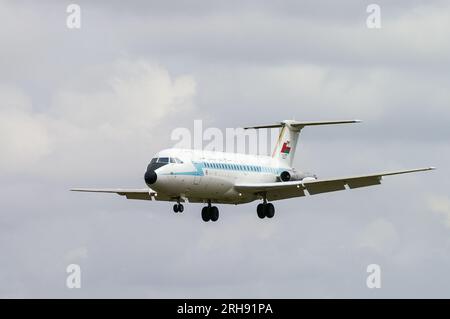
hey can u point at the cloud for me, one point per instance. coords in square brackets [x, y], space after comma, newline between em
[379, 235]
[138, 95]
[24, 136]
[131, 102]
[441, 206]
[90, 107]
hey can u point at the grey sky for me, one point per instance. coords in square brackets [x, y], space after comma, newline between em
[90, 107]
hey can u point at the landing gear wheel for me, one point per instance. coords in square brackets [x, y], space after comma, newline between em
[205, 214]
[270, 210]
[214, 213]
[178, 208]
[260, 210]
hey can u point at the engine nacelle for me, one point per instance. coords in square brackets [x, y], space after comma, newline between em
[291, 175]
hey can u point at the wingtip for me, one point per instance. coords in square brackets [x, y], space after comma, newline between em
[432, 168]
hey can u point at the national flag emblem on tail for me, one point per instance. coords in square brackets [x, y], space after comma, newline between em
[285, 149]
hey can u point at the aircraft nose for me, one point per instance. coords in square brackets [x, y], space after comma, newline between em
[150, 177]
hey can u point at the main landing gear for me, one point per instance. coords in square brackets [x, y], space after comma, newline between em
[210, 213]
[265, 210]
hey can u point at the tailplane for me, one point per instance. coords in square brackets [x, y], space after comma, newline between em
[284, 150]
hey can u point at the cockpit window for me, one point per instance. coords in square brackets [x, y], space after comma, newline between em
[164, 160]
[172, 160]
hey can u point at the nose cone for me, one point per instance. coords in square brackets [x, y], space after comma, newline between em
[150, 177]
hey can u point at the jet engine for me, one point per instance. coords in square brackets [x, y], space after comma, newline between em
[291, 175]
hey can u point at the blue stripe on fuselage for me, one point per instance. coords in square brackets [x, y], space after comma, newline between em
[200, 166]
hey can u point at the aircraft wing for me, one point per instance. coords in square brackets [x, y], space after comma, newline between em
[283, 190]
[143, 194]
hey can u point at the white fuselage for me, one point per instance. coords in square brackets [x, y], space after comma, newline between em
[196, 175]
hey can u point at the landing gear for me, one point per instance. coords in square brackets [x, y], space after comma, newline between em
[210, 213]
[214, 213]
[265, 210]
[178, 208]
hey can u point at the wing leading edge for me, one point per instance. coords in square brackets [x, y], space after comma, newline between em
[283, 190]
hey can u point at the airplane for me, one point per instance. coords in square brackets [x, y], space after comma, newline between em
[211, 177]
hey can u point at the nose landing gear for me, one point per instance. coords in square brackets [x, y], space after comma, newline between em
[178, 208]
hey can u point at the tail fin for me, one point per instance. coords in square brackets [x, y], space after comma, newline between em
[284, 150]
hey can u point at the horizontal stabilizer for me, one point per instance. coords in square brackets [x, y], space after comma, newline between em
[297, 124]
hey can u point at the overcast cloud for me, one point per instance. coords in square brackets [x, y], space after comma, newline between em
[90, 107]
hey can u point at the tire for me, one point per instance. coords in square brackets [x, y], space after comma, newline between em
[214, 213]
[180, 208]
[205, 214]
[260, 211]
[175, 208]
[270, 210]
